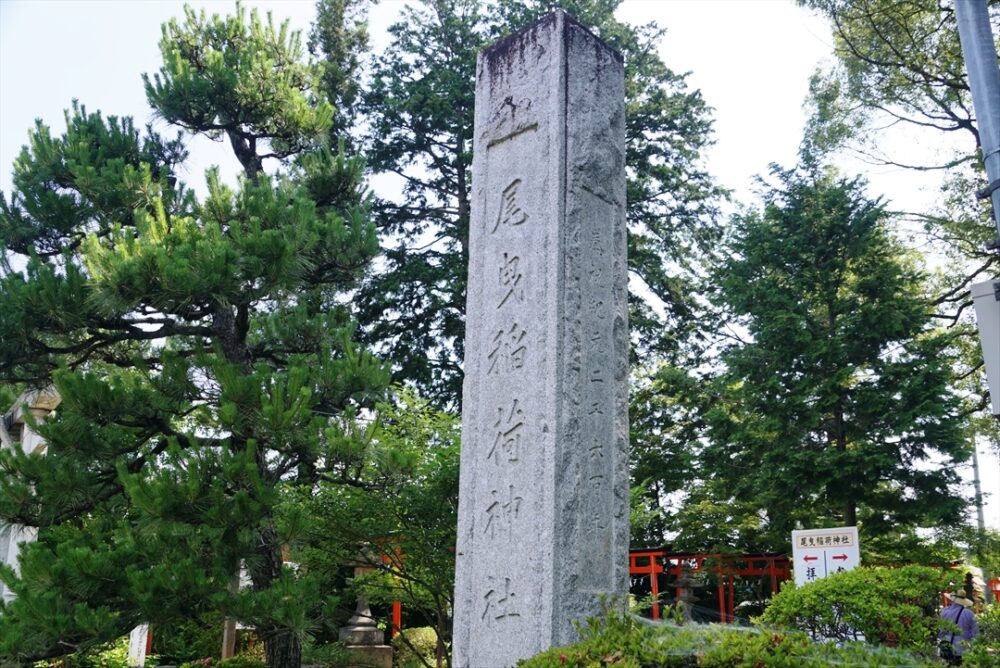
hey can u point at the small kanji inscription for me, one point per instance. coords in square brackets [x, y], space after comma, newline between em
[502, 511]
[501, 602]
[511, 214]
[509, 350]
[510, 280]
[507, 438]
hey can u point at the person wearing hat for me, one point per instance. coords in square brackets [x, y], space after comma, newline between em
[951, 642]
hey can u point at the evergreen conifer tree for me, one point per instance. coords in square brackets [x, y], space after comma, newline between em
[202, 348]
[836, 406]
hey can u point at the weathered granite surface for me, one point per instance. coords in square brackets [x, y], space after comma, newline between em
[543, 514]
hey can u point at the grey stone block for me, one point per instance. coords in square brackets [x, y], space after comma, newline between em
[543, 512]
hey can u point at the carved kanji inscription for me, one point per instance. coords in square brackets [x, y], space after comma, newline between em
[502, 511]
[510, 280]
[508, 429]
[500, 600]
[508, 350]
[511, 213]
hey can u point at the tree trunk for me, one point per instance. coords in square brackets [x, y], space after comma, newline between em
[283, 650]
[246, 152]
[439, 653]
[282, 647]
[850, 506]
[850, 514]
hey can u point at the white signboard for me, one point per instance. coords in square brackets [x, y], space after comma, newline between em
[817, 553]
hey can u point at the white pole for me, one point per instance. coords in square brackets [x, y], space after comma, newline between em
[981, 534]
[980, 54]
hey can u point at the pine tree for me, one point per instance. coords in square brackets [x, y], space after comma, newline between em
[837, 406]
[202, 348]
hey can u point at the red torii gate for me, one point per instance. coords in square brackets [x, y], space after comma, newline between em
[653, 562]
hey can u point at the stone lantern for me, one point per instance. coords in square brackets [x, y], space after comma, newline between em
[365, 641]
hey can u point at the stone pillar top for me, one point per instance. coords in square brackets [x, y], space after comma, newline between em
[514, 44]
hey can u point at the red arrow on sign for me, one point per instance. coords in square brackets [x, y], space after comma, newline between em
[812, 558]
[840, 557]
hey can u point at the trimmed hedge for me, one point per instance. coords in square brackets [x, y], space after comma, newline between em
[625, 641]
[891, 607]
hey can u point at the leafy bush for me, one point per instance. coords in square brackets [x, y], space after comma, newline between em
[241, 662]
[989, 624]
[113, 655]
[234, 662]
[985, 650]
[198, 663]
[625, 641]
[325, 655]
[893, 607]
[188, 640]
[410, 645]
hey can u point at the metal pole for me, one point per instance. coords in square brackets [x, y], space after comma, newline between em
[981, 534]
[980, 54]
[979, 491]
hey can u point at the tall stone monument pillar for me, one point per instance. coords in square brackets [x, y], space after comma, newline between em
[543, 511]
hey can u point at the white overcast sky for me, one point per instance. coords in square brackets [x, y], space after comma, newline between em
[750, 58]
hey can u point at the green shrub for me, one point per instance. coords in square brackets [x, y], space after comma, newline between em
[234, 662]
[625, 641]
[892, 607]
[989, 624]
[985, 650]
[198, 663]
[423, 640]
[188, 640]
[113, 655]
[326, 655]
[241, 662]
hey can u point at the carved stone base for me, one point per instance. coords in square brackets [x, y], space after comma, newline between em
[362, 635]
[369, 656]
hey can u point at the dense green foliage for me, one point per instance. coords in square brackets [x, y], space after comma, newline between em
[415, 648]
[234, 662]
[665, 424]
[188, 639]
[340, 34]
[882, 606]
[899, 69]
[839, 393]
[985, 650]
[205, 365]
[418, 111]
[399, 516]
[628, 642]
[240, 662]
[113, 655]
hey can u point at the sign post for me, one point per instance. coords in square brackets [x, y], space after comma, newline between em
[817, 553]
